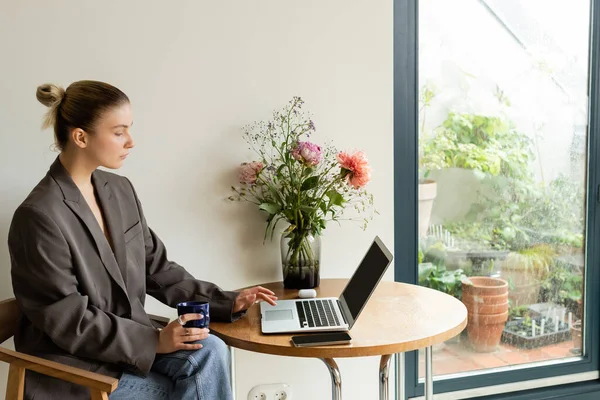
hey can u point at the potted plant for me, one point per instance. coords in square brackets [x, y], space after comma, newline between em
[427, 195]
[304, 184]
[532, 332]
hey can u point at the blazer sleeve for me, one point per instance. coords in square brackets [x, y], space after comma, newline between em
[170, 283]
[46, 288]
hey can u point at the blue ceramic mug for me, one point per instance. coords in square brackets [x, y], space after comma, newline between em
[195, 307]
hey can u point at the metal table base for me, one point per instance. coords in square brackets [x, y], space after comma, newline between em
[384, 368]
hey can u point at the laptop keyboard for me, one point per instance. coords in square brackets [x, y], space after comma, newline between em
[316, 313]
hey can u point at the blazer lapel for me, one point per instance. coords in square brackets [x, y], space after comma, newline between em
[75, 201]
[112, 215]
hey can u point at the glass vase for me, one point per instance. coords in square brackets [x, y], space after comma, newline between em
[300, 259]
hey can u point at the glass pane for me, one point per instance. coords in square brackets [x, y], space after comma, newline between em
[502, 164]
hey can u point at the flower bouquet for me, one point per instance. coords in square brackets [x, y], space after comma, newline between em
[303, 184]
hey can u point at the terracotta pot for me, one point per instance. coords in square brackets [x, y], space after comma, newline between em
[427, 193]
[491, 299]
[486, 300]
[486, 309]
[525, 285]
[576, 336]
[484, 285]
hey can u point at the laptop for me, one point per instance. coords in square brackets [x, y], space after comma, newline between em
[330, 313]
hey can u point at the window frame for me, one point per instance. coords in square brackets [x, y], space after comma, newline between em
[406, 215]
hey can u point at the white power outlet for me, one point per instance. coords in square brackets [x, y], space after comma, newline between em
[275, 391]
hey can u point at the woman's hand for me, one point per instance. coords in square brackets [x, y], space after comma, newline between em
[247, 297]
[174, 336]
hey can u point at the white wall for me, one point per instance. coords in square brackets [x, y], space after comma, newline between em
[196, 71]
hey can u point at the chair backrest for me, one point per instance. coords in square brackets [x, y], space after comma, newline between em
[9, 318]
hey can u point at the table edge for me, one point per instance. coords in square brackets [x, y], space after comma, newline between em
[341, 351]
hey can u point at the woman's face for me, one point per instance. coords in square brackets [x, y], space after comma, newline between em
[109, 144]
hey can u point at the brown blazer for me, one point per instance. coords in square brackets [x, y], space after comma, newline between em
[82, 304]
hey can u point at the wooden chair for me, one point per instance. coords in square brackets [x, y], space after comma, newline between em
[100, 385]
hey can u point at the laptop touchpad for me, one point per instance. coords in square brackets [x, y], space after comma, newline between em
[278, 315]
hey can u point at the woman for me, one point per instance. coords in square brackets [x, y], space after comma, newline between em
[83, 260]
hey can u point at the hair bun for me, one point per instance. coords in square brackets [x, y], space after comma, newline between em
[49, 94]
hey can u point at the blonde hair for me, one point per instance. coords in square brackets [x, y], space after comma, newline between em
[50, 95]
[79, 106]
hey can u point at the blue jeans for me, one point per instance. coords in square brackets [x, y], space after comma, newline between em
[183, 375]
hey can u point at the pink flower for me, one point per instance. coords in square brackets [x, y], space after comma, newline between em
[249, 172]
[355, 168]
[307, 153]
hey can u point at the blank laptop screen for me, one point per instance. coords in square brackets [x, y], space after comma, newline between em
[364, 280]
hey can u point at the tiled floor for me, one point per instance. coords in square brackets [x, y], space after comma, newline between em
[451, 358]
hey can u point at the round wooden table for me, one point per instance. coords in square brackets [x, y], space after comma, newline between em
[398, 318]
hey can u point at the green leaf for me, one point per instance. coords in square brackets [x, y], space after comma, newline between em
[274, 225]
[307, 171]
[269, 222]
[323, 207]
[425, 270]
[448, 278]
[310, 183]
[308, 209]
[278, 172]
[270, 208]
[335, 198]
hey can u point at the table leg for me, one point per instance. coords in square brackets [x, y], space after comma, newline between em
[336, 378]
[400, 387]
[428, 373]
[384, 370]
[232, 370]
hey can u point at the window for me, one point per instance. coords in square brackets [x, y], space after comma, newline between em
[502, 170]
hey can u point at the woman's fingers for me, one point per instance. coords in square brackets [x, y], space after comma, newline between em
[188, 317]
[189, 346]
[193, 338]
[268, 298]
[264, 290]
[194, 332]
[257, 290]
[177, 337]
[250, 296]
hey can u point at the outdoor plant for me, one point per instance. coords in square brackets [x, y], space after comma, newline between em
[438, 278]
[433, 252]
[517, 312]
[499, 155]
[488, 145]
[512, 210]
[298, 181]
[563, 287]
[517, 214]
[536, 260]
[524, 327]
[526, 222]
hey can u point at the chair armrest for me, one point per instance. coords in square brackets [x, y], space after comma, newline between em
[67, 373]
[158, 321]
